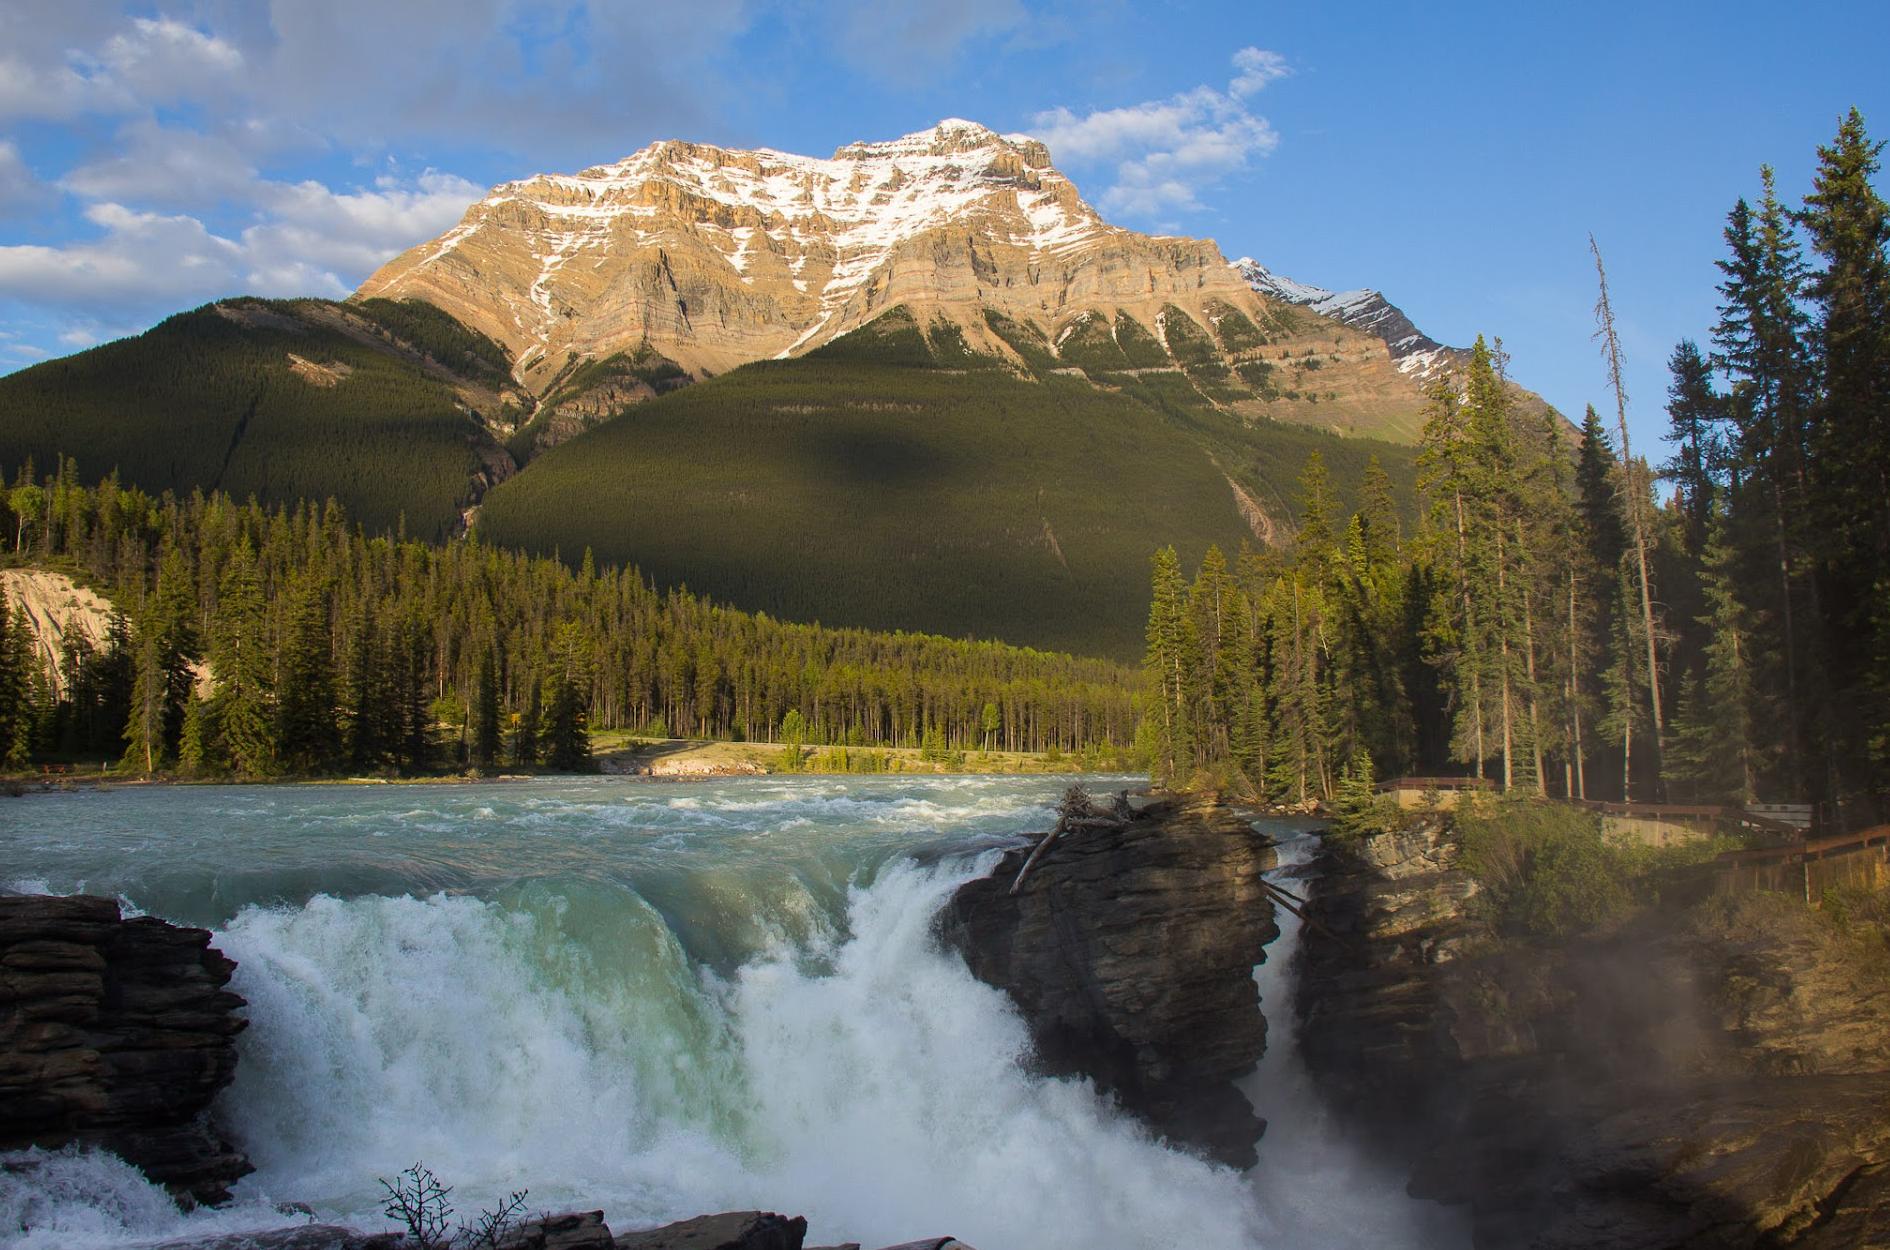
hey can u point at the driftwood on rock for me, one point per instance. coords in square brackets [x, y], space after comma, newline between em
[1077, 813]
[1130, 955]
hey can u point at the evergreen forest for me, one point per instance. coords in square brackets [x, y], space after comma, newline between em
[260, 642]
[1713, 628]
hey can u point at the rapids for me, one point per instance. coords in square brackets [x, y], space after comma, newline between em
[656, 999]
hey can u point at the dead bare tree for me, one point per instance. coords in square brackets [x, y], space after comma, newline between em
[1636, 503]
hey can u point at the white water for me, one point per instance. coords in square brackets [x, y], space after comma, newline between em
[1318, 1186]
[654, 1000]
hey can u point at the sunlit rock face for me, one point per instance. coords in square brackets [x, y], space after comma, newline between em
[716, 257]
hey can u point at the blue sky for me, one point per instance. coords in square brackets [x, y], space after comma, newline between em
[154, 156]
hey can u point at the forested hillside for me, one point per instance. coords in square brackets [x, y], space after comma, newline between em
[1563, 628]
[895, 479]
[284, 400]
[256, 642]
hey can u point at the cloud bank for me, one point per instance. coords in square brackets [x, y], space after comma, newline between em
[1164, 151]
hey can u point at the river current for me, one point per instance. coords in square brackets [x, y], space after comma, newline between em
[661, 1000]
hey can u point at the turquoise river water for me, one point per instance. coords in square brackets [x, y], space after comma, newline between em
[658, 999]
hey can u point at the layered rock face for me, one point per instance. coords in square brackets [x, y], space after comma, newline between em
[1129, 949]
[714, 257]
[1684, 1082]
[116, 1033]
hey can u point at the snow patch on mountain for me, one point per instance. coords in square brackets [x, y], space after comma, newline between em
[839, 218]
[1363, 309]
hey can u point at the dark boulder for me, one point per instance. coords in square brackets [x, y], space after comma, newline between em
[1129, 948]
[117, 1034]
[732, 1230]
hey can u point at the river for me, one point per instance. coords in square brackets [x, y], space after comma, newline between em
[661, 1000]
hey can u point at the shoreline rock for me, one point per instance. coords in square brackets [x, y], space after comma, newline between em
[1130, 949]
[117, 1034]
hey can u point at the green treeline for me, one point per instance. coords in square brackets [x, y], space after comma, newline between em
[258, 642]
[1554, 624]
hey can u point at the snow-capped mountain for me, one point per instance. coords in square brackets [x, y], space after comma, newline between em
[1362, 309]
[717, 256]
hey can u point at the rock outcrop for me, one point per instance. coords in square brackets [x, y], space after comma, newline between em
[116, 1033]
[1708, 1075]
[1129, 948]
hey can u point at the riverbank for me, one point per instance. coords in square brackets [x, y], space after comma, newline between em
[620, 754]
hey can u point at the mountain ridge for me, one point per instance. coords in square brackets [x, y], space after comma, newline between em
[713, 257]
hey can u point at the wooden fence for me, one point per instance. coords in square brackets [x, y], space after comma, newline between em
[1807, 868]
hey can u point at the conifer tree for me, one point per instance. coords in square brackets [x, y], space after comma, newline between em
[1164, 663]
[173, 625]
[1695, 413]
[18, 660]
[525, 729]
[144, 726]
[307, 730]
[197, 750]
[1848, 226]
[1726, 735]
[486, 743]
[1760, 340]
[240, 656]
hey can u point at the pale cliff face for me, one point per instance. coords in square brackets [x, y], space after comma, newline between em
[720, 257]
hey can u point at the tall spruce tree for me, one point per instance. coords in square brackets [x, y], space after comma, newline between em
[1848, 226]
[308, 733]
[486, 742]
[1760, 340]
[242, 660]
[1695, 417]
[1168, 678]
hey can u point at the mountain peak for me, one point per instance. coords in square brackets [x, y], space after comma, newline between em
[1363, 309]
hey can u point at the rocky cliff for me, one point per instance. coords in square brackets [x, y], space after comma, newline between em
[711, 257]
[116, 1033]
[1129, 947]
[1710, 1074]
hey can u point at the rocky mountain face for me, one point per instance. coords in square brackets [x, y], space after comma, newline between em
[1708, 1076]
[711, 258]
[1128, 942]
[1415, 352]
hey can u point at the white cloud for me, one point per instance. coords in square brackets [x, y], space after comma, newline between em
[19, 189]
[312, 241]
[1257, 67]
[159, 165]
[329, 241]
[160, 60]
[53, 69]
[1163, 151]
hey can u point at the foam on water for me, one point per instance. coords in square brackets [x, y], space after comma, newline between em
[593, 991]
